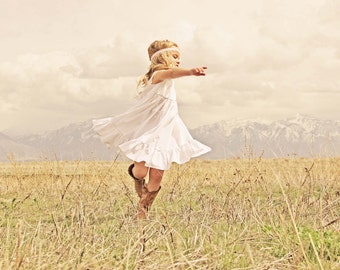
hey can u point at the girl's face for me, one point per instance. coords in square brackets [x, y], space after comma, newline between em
[176, 58]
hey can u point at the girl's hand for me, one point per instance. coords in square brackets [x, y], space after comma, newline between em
[199, 71]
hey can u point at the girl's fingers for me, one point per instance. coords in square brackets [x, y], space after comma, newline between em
[199, 71]
[202, 70]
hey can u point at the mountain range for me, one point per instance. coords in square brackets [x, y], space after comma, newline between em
[302, 136]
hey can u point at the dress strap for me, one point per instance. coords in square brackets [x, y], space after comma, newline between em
[153, 74]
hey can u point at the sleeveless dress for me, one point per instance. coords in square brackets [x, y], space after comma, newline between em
[152, 130]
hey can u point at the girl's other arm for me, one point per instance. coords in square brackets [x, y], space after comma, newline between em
[173, 73]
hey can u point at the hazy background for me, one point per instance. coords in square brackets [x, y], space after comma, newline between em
[73, 60]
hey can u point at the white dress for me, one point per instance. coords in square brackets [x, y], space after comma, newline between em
[152, 130]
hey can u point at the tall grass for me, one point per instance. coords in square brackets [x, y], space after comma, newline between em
[227, 214]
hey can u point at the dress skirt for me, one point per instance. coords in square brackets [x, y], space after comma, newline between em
[151, 130]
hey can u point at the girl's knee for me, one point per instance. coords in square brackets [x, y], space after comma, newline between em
[140, 170]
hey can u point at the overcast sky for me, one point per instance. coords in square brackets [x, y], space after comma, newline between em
[68, 61]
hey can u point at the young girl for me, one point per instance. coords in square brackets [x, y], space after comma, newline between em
[151, 133]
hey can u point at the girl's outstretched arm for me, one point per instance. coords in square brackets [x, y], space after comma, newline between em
[176, 72]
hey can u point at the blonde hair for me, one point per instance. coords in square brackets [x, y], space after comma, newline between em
[161, 61]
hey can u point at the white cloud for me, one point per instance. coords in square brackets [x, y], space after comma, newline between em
[53, 83]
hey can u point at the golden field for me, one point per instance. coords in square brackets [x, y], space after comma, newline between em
[250, 213]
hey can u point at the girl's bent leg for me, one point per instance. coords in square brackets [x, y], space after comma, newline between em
[138, 171]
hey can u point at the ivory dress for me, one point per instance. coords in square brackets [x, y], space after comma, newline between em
[152, 130]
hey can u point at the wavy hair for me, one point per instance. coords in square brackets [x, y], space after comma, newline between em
[161, 61]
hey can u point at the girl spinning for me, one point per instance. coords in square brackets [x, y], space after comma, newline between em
[152, 133]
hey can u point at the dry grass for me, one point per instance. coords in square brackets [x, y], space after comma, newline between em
[229, 214]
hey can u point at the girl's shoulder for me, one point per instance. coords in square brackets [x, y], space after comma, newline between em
[154, 77]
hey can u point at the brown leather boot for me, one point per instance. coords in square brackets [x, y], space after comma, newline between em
[139, 183]
[145, 202]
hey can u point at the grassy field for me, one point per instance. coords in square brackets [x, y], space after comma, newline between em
[230, 214]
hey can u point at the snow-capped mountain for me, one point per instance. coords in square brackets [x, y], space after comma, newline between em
[301, 136]
[298, 136]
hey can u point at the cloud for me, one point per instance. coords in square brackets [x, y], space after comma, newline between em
[120, 56]
[61, 64]
[54, 83]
